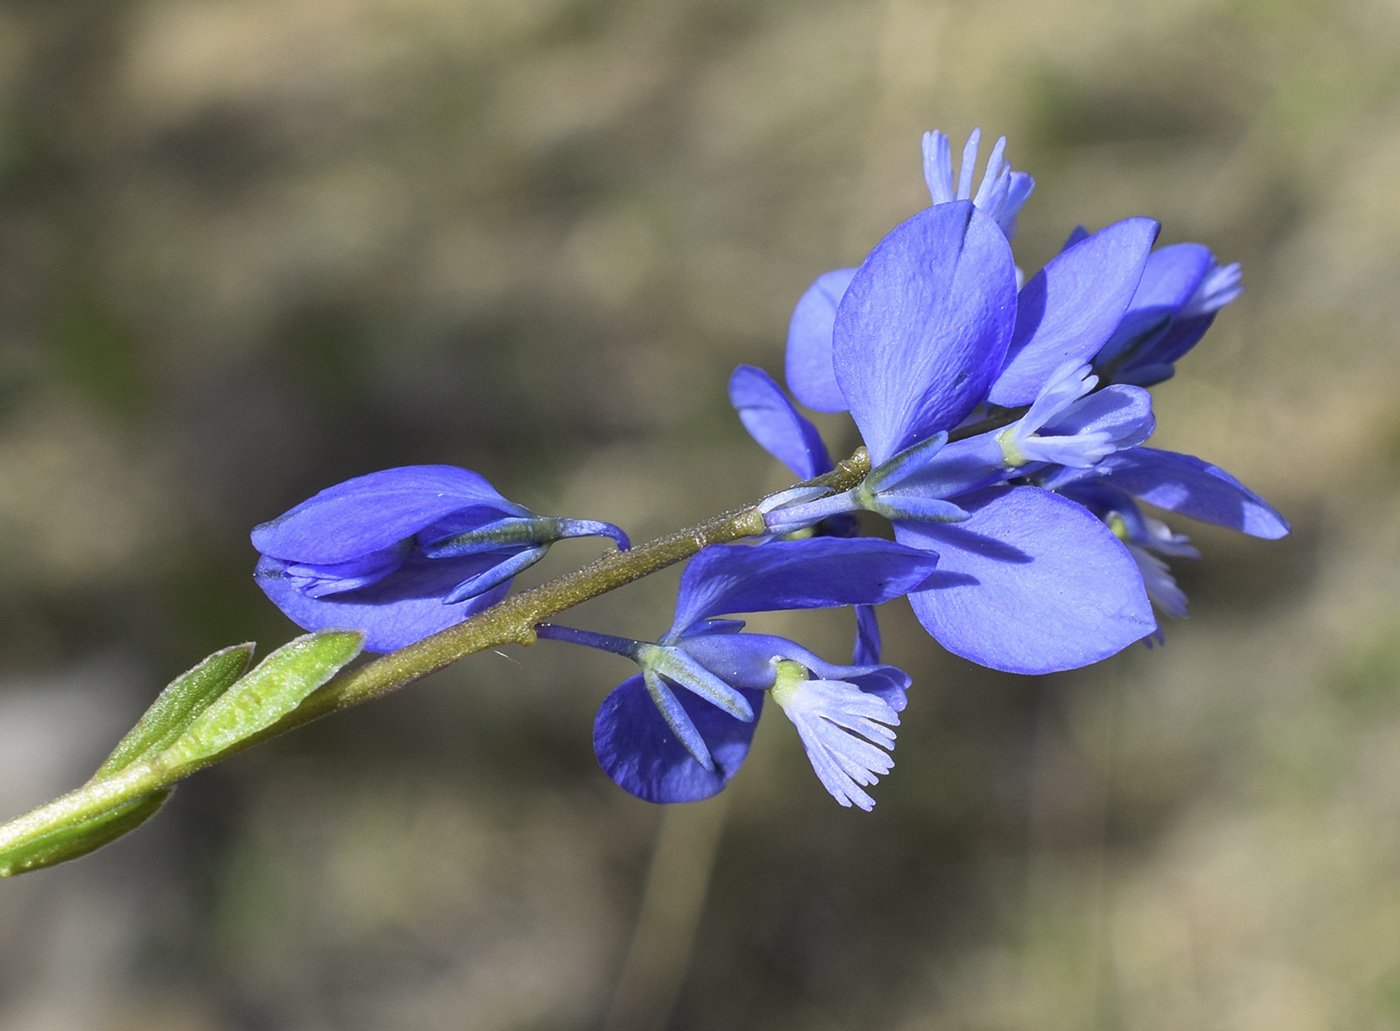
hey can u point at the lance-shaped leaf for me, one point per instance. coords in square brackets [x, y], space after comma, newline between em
[69, 841]
[175, 708]
[264, 696]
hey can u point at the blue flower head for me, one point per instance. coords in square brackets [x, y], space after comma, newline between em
[680, 729]
[403, 553]
[931, 334]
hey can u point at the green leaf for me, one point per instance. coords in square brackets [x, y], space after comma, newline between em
[66, 842]
[175, 708]
[264, 696]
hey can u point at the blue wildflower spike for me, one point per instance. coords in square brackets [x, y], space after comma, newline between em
[403, 553]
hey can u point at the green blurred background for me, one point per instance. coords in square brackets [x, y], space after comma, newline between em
[251, 247]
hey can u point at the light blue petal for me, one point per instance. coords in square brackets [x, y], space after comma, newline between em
[924, 327]
[772, 420]
[639, 752]
[373, 512]
[809, 371]
[819, 572]
[1072, 305]
[1031, 583]
[1185, 484]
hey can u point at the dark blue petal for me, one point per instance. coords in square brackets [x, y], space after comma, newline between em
[1180, 337]
[809, 370]
[638, 751]
[1031, 583]
[819, 572]
[867, 649]
[399, 609]
[1185, 484]
[924, 326]
[771, 420]
[1072, 305]
[1169, 279]
[373, 512]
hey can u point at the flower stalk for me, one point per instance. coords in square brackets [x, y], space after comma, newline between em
[511, 621]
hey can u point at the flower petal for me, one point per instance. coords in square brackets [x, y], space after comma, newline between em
[778, 427]
[819, 572]
[404, 607]
[867, 649]
[924, 327]
[1072, 305]
[639, 752]
[1031, 583]
[810, 376]
[1169, 279]
[1185, 484]
[375, 511]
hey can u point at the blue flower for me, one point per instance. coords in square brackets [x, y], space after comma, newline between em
[1046, 562]
[680, 729]
[1182, 288]
[403, 553]
[930, 329]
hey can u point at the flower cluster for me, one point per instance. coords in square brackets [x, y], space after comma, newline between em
[1005, 421]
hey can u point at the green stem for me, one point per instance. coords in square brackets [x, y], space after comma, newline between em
[511, 621]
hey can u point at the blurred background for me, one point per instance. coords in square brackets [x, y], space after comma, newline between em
[249, 248]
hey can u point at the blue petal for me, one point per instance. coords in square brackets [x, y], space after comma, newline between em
[637, 750]
[1185, 484]
[771, 420]
[1072, 305]
[819, 572]
[867, 649]
[809, 371]
[1179, 338]
[924, 327]
[373, 512]
[1031, 583]
[399, 609]
[506, 567]
[1169, 279]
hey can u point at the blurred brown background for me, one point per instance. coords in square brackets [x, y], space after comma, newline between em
[251, 247]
